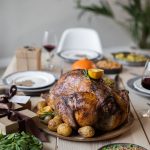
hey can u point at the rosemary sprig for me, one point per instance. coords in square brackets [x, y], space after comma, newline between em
[85, 72]
[47, 114]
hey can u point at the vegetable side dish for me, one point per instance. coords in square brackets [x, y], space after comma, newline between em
[130, 57]
[122, 147]
[20, 141]
[108, 64]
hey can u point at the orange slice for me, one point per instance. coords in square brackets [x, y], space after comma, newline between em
[95, 73]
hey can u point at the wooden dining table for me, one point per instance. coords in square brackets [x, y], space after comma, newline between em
[139, 133]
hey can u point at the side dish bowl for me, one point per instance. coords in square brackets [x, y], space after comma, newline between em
[130, 59]
[122, 146]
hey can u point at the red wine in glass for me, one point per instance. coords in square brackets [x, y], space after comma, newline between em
[146, 76]
[49, 44]
[49, 47]
[146, 83]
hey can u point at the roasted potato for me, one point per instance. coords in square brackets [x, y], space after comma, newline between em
[47, 109]
[44, 109]
[54, 123]
[64, 129]
[120, 56]
[131, 57]
[86, 131]
[41, 105]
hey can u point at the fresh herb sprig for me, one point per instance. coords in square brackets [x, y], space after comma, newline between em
[20, 141]
[85, 72]
[42, 116]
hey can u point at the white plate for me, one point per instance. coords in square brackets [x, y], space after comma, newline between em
[34, 92]
[73, 55]
[131, 87]
[40, 79]
[138, 86]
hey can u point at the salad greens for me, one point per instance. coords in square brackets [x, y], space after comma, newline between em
[20, 141]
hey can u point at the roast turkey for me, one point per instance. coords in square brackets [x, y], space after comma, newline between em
[82, 101]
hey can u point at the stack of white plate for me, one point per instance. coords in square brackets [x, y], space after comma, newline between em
[31, 82]
[138, 86]
[134, 85]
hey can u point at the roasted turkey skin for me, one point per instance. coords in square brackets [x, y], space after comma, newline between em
[82, 101]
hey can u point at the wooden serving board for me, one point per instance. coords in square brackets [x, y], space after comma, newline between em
[99, 137]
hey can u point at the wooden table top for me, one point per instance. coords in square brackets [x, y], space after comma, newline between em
[138, 134]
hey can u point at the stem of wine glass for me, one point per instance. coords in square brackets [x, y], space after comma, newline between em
[145, 113]
[50, 65]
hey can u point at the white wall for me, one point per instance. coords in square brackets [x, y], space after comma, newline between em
[22, 22]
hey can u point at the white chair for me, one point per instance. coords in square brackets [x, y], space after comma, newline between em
[80, 39]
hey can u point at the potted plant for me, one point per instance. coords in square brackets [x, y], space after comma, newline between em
[138, 22]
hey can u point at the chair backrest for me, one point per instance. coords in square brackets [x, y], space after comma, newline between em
[80, 39]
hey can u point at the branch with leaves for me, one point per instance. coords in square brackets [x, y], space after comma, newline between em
[103, 8]
[139, 12]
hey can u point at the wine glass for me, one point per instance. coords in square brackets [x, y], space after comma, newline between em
[145, 82]
[49, 44]
[146, 76]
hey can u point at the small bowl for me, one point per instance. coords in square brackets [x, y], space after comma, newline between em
[129, 63]
[107, 70]
[115, 146]
[112, 71]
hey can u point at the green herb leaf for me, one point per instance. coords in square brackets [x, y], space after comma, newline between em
[20, 141]
[85, 72]
[103, 8]
[47, 114]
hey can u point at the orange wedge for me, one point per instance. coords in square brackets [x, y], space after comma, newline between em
[95, 73]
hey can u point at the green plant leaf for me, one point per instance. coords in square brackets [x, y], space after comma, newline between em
[103, 8]
[138, 24]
